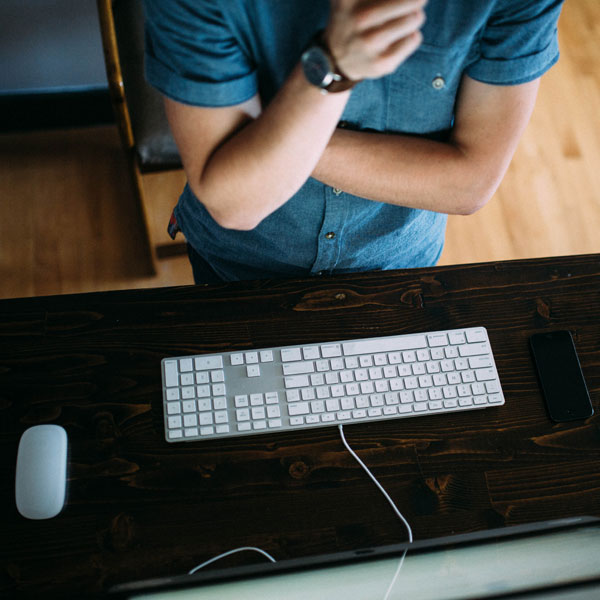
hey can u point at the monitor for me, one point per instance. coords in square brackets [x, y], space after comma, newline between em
[559, 557]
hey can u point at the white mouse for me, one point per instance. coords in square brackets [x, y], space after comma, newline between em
[41, 479]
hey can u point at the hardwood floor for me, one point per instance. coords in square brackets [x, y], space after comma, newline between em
[69, 223]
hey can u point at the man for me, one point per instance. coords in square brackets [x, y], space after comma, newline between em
[325, 137]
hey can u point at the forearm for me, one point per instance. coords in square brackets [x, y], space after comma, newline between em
[406, 171]
[259, 168]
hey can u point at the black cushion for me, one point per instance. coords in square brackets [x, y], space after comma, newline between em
[155, 145]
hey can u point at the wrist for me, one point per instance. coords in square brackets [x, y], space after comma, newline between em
[321, 69]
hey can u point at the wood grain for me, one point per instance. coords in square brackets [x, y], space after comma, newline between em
[139, 507]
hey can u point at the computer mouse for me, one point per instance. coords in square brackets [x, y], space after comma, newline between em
[41, 479]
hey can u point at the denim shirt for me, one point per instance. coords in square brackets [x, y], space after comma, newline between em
[207, 53]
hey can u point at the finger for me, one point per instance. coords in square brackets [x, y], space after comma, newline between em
[378, 40]
[396, 54]
[368, 15]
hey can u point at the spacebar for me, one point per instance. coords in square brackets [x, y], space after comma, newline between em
[405, 342]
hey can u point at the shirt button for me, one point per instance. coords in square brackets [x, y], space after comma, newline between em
[337, 191]
[438, 83]
[330, 235]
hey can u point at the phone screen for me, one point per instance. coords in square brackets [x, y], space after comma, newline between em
[559, 372]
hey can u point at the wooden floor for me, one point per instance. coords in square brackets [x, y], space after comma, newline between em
[69, 223]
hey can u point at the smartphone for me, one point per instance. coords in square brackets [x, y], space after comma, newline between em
[563, 386]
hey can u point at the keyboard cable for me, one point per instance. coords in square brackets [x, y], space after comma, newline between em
[381, 489]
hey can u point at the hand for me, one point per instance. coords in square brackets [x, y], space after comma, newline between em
[372, 38]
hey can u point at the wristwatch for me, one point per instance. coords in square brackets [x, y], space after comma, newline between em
[320, 69]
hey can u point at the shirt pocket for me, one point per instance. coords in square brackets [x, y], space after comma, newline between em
[422, 91]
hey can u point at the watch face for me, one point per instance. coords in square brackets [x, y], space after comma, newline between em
[317, 67]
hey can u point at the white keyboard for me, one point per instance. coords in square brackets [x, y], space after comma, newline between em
[233, 394]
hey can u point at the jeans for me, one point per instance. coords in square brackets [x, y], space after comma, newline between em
[203, 272]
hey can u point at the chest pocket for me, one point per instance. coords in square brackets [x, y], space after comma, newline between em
[422, 92]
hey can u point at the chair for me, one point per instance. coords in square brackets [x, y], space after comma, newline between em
[145, 135]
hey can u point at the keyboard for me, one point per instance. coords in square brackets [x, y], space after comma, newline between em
[253, 392]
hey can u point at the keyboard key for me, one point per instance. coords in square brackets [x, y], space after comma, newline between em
[186, 364]
[296, 381]
[266, 356]
[311, 352]
[202, 377]
[476, 335]
[203, 391]
[204, 404]
[273, 412]
[220, 403]
[480, 362]
[241, 401]
[437, 339]
[384, 345]
[253, 371]
[256, 400]
[187, 379]
[298, 408]
[251, 358]
[332, 405]
[206, 418]
[221, 416]
[173, 394]
[258, 412]
[207, 363]
[485, 374]
[456, 338]
[171, 373]
[331, 378]
[174, 422]
[472, 349]
[318, 406]
[290, 354]
[237, 359]
[217, 376]
[330, 350]
[242, 414]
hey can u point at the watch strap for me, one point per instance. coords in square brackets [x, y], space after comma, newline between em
[340, 82]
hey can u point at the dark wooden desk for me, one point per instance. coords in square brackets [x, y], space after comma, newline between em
[138, 507]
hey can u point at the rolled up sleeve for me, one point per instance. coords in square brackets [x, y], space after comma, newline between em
[192, 57]
[519, 42]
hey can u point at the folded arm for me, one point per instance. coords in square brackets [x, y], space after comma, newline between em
[243, 162]
[456, 177]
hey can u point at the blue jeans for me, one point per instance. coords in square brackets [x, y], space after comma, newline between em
[203, 272]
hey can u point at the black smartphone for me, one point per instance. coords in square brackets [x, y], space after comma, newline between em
[563, 386]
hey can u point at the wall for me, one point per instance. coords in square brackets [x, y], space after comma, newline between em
[50, 45]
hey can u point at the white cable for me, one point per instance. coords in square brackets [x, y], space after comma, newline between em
[393, 505]
[387, 496]
[220, 556]
[393, 582]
